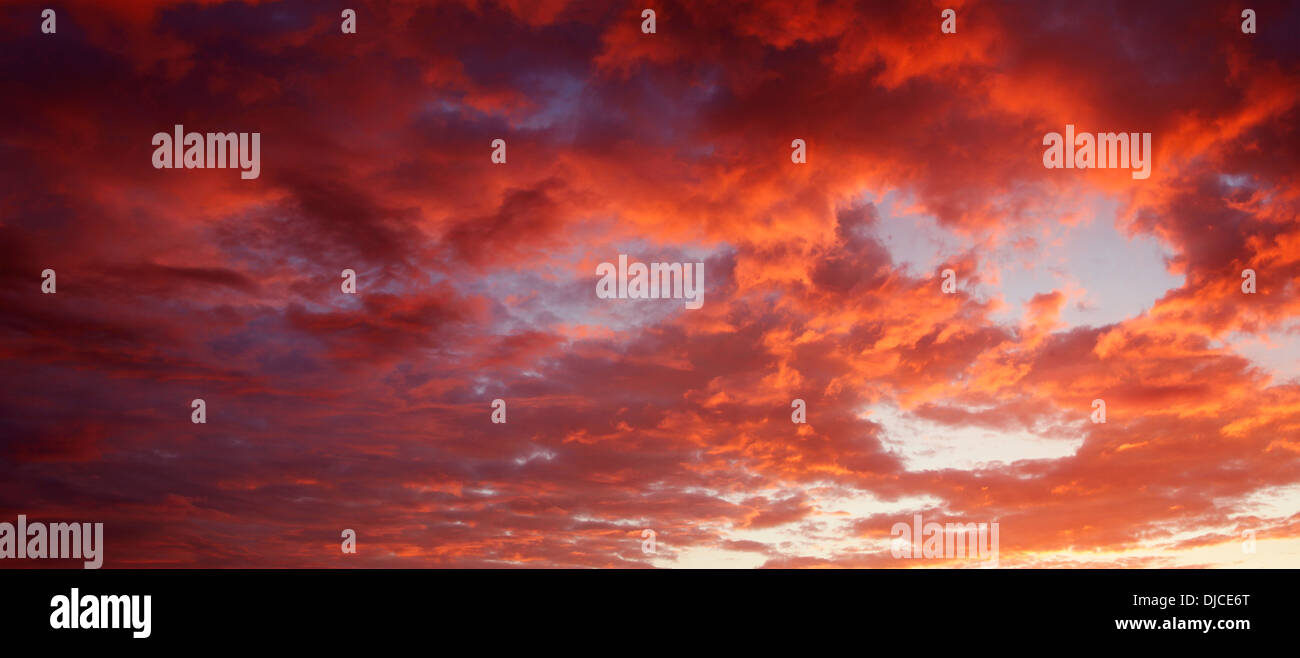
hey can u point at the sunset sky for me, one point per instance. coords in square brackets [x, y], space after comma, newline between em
[476, 281]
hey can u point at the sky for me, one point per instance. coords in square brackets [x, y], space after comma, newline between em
[476, 281]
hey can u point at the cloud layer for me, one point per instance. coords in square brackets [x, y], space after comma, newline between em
[476, 281]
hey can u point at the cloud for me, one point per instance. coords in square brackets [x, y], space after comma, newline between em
[475, 282]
